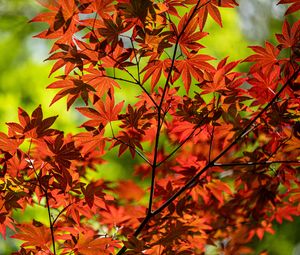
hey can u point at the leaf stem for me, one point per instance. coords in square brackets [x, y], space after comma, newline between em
[65, 208]
[184, 141]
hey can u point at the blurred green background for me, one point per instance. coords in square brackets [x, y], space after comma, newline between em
[24, 77]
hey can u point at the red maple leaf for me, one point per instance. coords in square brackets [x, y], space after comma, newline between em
[72, 88]
[34, 126]
[103, 112]
[34, 234]
[189, 39]
[293, 8]
[154, 70]
[265, 57]
[193, 65]
[89, 245]
[290, 36]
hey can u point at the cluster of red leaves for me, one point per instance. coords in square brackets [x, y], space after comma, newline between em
[221, 154]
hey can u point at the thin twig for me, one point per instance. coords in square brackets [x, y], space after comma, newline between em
[211, 142]
[136, 60]
[65, 208]
[184, 141]
[135, 149]
[136, 81]
[119, 79]
[46, 196]
[250, 163]
[159, 121]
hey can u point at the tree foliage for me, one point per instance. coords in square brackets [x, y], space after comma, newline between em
[219, 147]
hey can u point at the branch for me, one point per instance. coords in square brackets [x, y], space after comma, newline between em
[159, 121]
[136, 60]
[210, 164]
[214, 162]
[119, 79]
[211, 142]
[250, 163]
[159, 109]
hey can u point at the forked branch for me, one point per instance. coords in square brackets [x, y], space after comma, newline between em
[214, 161]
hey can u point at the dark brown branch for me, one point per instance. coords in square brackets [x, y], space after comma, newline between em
[159, 110]
[210, 164]
[159, 121]
[214, 161]
[257, 163]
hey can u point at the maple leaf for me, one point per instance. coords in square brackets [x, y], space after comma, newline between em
[189, 39]
[290, 36]
[91, 141]
[96, 78]
[16, 164]
[68, 57]
[9, 144]
[111, 30]
[128, 140]
[61, 151]
[292, 143]
[114, 216]
[34, 234]
[154, 43]
[104, 8]
[172, 4]
[89, 245]
[265, 57]
[217, 187]
[154, 70]
[225, 3]
[93, 191]
[261, 229]
[210, 7]
[34, 126]
[138, 119]
[193, 65]
[62, 20]
[134, 11]
[5, 222]
[293, 8]
[129, 191]
[183, 129]
[286, 212]
[103, 112]
[73, 88]
[264, 86]
[221, 80]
